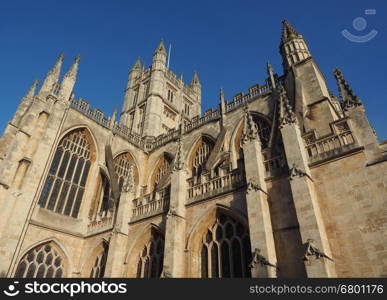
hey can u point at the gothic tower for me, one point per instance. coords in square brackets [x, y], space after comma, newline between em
[155, 97]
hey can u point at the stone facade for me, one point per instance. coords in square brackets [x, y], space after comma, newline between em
[284, 181]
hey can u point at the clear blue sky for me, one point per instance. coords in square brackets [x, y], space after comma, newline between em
[227, 42]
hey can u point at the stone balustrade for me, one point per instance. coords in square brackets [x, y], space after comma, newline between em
[214, 186]
[100, 224]
[150, 205]
[339, 142]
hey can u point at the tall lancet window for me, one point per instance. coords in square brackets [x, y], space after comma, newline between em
[226, 249]
[202, 153]
[150, 262]
[43, 261]
[65, 184]
[98, 269]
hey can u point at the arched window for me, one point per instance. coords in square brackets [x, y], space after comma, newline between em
[226, 249]
[263, 130]
[66, 180]
[150, 263]
[162, 170]
[123, 166]
[43, 261]
[98, 269]
[202, 153]
[162, 167]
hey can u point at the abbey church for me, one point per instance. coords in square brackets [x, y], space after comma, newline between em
[286, 179]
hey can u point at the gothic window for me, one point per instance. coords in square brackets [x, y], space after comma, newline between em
[187, 108]
[122, 166]
[98, 269]
[263, 130]
[163, 166]
[66, 180]
[150, 263]
[201, 155]
[170, 95]
[225, 249]
[43, 261]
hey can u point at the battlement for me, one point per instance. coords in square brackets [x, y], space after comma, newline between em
[150, 143]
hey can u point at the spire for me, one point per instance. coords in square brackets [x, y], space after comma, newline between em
[222, 106]
[159, 62]
[72, 73]
[348, 98]
[69, 79]
[270, 73]
[195, 79]
[31, 92]
[288, 32]
[293, 47]
[221, 95]
[114, 116]
[286, 113]
[160, 48]
[137, 65]
[52, 76]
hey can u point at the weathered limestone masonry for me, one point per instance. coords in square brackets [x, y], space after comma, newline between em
[286, 180]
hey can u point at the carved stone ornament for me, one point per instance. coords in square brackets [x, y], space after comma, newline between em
[259, 259]
[296, 172]
[250, 130]
[312, 251]
[347, 96]
[286, 114]
[253, 186]
[179, 163]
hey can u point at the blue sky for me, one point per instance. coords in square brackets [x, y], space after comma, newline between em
[227, 42]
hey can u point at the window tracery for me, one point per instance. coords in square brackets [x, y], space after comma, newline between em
[65, 183]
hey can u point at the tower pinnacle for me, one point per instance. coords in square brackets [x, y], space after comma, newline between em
[69, 79]
[52, 76]
[288, 32]
[293, 47]
[31, 91]
[161, 48]
[195, 79]
[137, 65]
[347, 96]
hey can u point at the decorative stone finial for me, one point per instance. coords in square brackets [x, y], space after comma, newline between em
[347, 96]
[179, 162]
[250, 130]
[286, 114]
[31, 91]
[195, 79]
